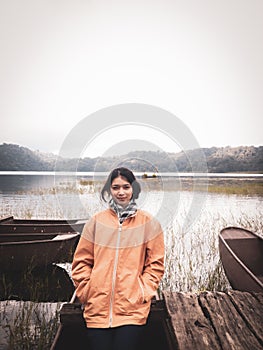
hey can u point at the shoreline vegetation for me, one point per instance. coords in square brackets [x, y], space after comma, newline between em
[229, 186]
[238, 186]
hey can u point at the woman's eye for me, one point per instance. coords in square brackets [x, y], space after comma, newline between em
[116, 188]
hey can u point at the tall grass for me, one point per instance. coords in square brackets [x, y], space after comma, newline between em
[192, 257]
[28, 325]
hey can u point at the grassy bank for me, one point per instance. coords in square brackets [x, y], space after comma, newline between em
[239, 187]
[244, 187]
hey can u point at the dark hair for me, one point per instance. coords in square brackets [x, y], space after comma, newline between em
[128, 175]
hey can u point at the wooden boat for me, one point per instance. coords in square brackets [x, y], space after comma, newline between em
[9, 224]
[241, 253]
[31, 236]
[22, 254]
[71, 333]
[147, 176]
[50, 283]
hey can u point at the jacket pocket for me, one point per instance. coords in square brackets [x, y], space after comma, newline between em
[84, 295]
[96, 299]
[141, 290]
[136, 293]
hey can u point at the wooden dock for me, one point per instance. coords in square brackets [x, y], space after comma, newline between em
[215, 320]
[184, 321]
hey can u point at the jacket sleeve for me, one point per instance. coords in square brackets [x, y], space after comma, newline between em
[154, 265]
[83, 262]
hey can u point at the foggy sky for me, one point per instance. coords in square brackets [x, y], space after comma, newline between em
[63, 60]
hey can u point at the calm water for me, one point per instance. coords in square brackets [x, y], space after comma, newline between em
[39, 195]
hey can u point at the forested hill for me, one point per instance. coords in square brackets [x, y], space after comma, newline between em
[219, 159]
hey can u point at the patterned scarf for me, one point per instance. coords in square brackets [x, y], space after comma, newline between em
[123, 213]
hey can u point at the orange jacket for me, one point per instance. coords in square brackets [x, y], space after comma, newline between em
[117, 268]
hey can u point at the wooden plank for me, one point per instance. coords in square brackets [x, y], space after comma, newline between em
[251, 309]
[71, 313]
[228, 324]
[258, 296]
[6, 218]
[191, 328]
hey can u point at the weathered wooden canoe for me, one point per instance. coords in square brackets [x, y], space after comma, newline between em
[9, 224]
[21, 254]
[241, 253]
[71, 334]
[146, 176]
[31, 236]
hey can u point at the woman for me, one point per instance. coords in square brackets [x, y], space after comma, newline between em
[117, 266]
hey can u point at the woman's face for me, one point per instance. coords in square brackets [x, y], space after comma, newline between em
[121, 191]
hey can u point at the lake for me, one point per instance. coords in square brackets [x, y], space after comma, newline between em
[46, 194]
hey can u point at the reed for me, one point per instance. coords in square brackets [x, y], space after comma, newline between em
[192, 258]
[239, 186]
[29, 325]
[246, 188]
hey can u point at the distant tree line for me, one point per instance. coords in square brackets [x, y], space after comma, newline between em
[218, 159]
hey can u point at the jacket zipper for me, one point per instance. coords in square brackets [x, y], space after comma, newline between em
[114, 274]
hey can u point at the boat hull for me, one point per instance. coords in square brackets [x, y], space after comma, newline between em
[241, 253]
[72, 331]
[51, 283]
[11, 225]
[22, 255]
